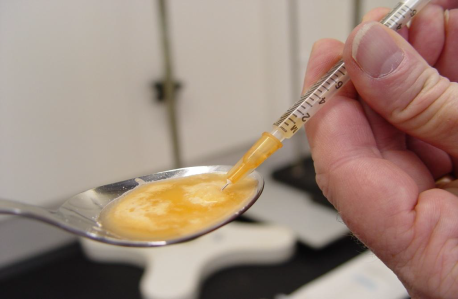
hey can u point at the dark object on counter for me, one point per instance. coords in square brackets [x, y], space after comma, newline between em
[67, 273]
[301, 175]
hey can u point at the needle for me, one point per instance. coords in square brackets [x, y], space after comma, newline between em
[228, 182]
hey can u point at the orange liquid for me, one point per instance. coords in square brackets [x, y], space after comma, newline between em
[174, 208]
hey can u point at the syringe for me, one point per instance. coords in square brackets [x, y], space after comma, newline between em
[312, 101]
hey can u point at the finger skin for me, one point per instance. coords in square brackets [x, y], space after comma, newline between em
[392, 142]
[415, 234]
[347, 161]
[377, 14]
[436, 160]
[446, 4]
[392, 145]
[427, 34]
[325, 53]
[413, 96]
[448, 62]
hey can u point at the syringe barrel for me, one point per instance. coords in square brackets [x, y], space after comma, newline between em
[403, 13]
[321, 92]
[312, 101]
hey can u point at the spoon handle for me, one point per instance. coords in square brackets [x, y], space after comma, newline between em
[26, 210]
[48, 216]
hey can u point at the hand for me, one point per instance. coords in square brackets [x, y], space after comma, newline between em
[383, 141]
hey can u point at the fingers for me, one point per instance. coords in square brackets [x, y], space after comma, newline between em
[377, 14]
[448, 62]
[364, 187]
[437, 161]
[348, 132]
[397, 83]
[434, 34]
[325, 53]
[427, 34]
[447, 4]
[342, 120]
[392, 145]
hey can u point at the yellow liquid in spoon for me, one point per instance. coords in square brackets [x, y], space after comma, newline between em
[174, 208]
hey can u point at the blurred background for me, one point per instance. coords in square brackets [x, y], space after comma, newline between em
[80, 82]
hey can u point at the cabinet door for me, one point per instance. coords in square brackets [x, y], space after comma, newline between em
[322, 19]
[77, 109]
[330, 19]
[231, 57]
[367, 5]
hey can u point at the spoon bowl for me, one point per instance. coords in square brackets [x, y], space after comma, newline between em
[79, 214]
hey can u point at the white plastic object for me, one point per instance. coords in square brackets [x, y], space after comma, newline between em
[176, 271]
[365, 276]
[315, 225]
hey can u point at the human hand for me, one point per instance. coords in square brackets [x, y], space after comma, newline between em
[383, 141]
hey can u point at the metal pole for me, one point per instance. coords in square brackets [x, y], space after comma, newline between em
[356, 13]
[169, 88]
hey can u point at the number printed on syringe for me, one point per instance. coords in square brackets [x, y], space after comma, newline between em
[323, 90]
[293, 119]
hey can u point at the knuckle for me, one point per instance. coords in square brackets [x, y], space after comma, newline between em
[432, 110]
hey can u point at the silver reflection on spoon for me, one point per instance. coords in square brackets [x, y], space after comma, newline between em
[79, 214]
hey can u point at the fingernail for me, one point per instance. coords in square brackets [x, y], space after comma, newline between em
[375, 51]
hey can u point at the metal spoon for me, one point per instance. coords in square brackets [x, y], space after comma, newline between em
[79, 214]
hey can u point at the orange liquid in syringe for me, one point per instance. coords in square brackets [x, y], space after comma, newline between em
[177, 207]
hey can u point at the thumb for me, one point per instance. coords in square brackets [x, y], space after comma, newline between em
[397, 83]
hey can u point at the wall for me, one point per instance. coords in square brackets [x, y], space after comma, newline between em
[76, 105]
[77, 109]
